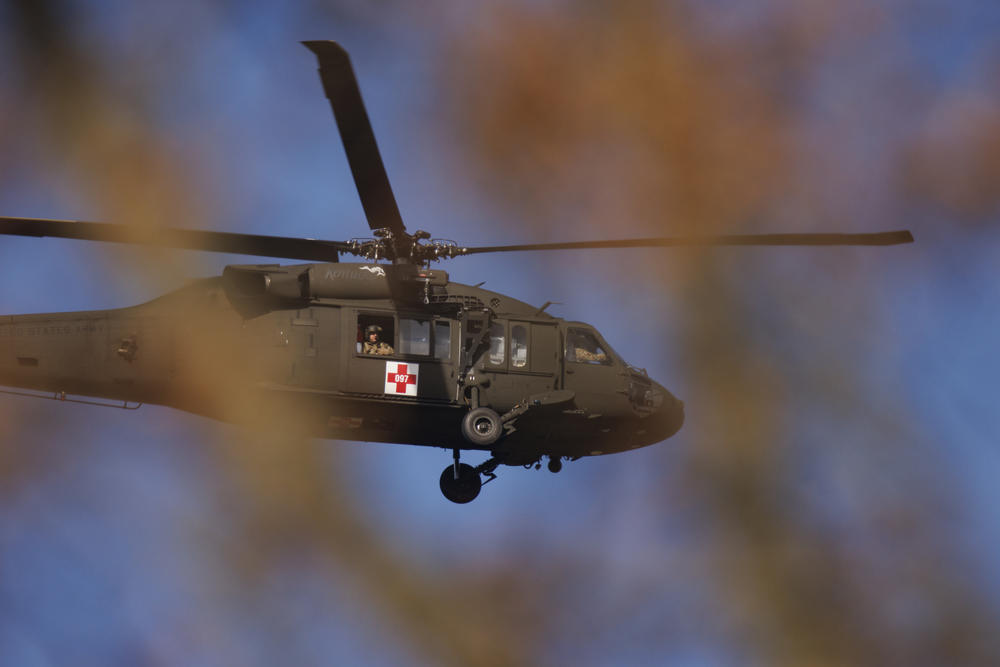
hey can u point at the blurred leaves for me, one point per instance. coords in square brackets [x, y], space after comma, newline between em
[123, 163]
[292, 508]
[808, 520]
[954, 162]
[587, 117]
[284, 493]
[598, 96]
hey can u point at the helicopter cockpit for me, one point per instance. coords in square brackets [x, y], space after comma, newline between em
[592, 365]
[583, 347]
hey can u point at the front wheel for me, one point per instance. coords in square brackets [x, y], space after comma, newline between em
[482, 427]
[461, 486]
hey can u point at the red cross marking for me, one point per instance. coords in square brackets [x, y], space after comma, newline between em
[401, 378]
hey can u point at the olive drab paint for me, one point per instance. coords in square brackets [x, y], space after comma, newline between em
[451, 365]
[510, 355]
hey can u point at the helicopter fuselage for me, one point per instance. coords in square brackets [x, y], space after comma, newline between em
[388, 351]
[246, 348]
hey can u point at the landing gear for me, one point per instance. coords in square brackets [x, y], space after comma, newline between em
[461, 483]
[482, 427]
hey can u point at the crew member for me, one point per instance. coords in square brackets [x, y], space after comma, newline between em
[588, 351]
[373, 341]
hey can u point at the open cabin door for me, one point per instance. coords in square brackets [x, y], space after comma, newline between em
[513, 360]
[475, 325]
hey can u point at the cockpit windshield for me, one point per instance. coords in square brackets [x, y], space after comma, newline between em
[583, 347]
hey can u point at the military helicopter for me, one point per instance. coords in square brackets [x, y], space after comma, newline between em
[385, 350]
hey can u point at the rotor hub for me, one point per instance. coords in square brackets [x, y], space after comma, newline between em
[418, 248]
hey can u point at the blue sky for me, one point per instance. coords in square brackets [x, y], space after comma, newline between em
[110, 543]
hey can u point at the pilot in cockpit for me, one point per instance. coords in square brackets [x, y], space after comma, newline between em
[587, 350]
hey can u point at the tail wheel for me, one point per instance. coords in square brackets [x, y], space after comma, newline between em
[482, 427]
[461, 483]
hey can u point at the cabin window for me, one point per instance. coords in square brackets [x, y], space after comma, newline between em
[386, 332]
[442, 339]
[582, 347]
[414, 336]
[497, 344]
[519, 346]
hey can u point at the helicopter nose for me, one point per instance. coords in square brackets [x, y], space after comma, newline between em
[668, 415]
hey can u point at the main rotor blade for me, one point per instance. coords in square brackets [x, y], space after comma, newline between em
[341, 88]
[807, 239]
[188, 239]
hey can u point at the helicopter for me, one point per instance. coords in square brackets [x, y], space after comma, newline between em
[387, 349]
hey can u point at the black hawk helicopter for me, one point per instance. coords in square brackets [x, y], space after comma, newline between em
[388, 350]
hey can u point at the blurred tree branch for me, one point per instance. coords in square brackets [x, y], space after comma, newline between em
[284, 493]
[714, 131]
[581, 117]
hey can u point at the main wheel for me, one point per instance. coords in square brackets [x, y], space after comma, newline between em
[482, 427]
[461, 489]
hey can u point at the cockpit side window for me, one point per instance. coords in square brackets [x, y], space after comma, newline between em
[582, 347]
